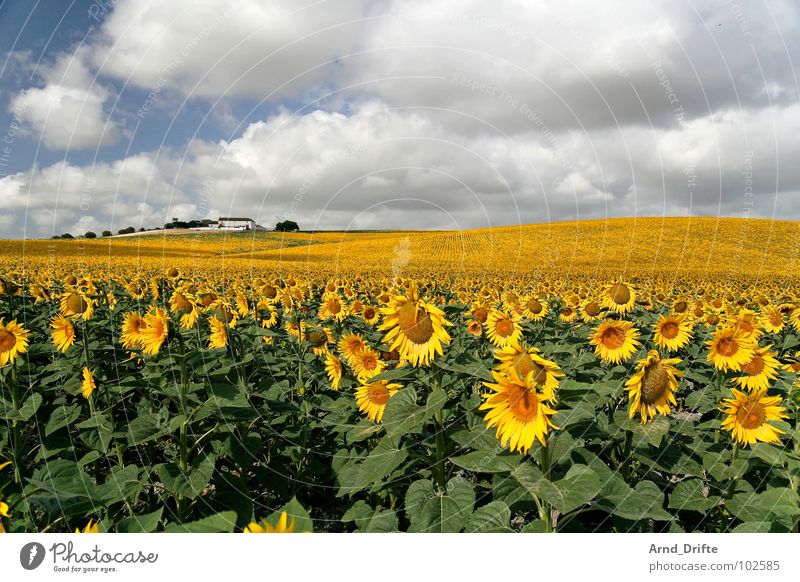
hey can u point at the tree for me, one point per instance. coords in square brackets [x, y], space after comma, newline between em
[287, 226]
[127, 230]
[89, 234]
[106, 233]
[67, 235]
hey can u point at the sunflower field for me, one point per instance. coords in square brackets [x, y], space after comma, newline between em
[625, 375]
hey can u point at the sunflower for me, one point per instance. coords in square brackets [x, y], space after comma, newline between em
[619, 297]
[760, 370]
[517, 410]
[184, 304]
[615, 341]
[334, 369]
[133, 325]
[474, 328]
[729, 350]
[503, 329]
[267, 315]
[534, 309]
[372, 398]
[218, 339]
[746, 323]
[415, 328]
[318, 338]
[747, 416]
[672, 332]
[295, 328]
[63, 333]
[88, 385]
[350, 345]
[76, 304]
[652, 388]
[332, 307]
[590, 310]
[13, 341]
[284, 525]
[367, 364]
[242, 304]
[568, 314]
[155, 332]
[370, 315]
[544, 374]
[92, 527]
[772, 319]
[224, 311]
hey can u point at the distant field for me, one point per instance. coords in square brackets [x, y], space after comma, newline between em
[668, 247]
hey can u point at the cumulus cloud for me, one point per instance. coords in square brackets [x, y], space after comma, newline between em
[69, 110]
[375, 166]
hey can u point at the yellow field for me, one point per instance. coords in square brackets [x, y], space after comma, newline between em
[668, 249]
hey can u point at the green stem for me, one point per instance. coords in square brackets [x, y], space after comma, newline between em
[17, 450]
[184, 453]
[735, 476]
[440, 473]
[545, 512]
[626, 454]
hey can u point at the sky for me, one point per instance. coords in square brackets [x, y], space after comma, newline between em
[413, 114]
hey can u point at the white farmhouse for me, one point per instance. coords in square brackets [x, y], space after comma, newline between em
[231, 223]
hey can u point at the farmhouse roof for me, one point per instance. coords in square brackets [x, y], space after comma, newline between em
[221, 218]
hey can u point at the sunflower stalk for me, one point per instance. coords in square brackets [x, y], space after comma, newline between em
[544, 510]
[438, 418]
[183, 450]
[17, 450]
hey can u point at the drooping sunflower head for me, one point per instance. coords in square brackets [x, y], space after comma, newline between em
[518, 411]
[746, 323]
[132, 326]
[334, 370]
[771, 319]
[415, 328]
[729, 349]
[218, 336]
[619, 297]
[76, 304]
[760, 370]
[672, 332]
[13, 341]
[502, 328]
[615, 341]
[318, 338]
[155, 332]
[652, 388]
[63, 333]
[88, 385]
[747, 416]
[528, 364]
[371, 398]
[350, 345]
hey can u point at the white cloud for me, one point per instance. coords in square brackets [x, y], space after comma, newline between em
[68, 112]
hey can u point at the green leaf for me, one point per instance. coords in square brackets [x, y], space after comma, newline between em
[691, 495]
[448, 511]
[61, 417]
[579, 486]
[645, 501]
[778, 501]
[383, 459]
[191, 483]
[223, 522]
[96, 432]
[487, 461]
[30, 406]
[654, 431]
[146, 523]
[296, 514]
[494, 517]
[371, 520]
[144, 428]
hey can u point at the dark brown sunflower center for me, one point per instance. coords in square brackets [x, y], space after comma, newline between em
[745, 327]
[415, 323]
[173, 272]
[270, 292]
[76, 303]
[369, 313]
[504, 327]
[566, 312]
[591, 309]
[534, 306]
[727, 347]
[481, 314]
[775, 318]
[333, 306]
[620, 294]
[378, 394]
[316, 337]
[681, 306]
[751, 415]
[754, 367]
[613, 338]
[654, 384]
[512, 298]
[369, 362]
[670, 330]
[7, 341]
[713, 319]
[523, 404]
[524, 365]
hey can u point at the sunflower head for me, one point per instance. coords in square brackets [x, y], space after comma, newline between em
[615, 341]
[747, 416]
[13, 341]
[729, 349]
[619, 297]
[371, 398]
[652, 388]
[415, 328]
